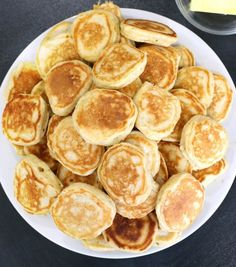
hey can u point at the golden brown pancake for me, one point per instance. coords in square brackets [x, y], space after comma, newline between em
[148, 31]
[162, 176]
[22, 80]
[132, 88]
[190, 106]
[134, 235]
[82, 211]
[179, 202]
[39, 89]
[104, 117]
[203, 142]
[72, 151]
[222, 99]
[174, 158]
[25, 119]
[123, 174]
[35, 185]
[186, 56]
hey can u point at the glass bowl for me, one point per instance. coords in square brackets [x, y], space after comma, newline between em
[208, 22]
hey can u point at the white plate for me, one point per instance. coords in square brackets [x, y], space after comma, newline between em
[215, 193]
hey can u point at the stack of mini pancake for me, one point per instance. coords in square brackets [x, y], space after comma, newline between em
[119, 131]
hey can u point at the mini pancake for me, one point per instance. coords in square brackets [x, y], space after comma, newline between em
[72, 151]
[165, 238]
[134, 235]
[203, 142]
[190, 106]
[158, 111]
[174, 158]
[42, 152]
[19, 150]
[222, 99]
[132, 88]
[65, 83]
[93, 31]
[208, 175]
[25, 119]
[35, 185]
[39, 89]
[104, 117]
[179, 202]
[123, 174]
[67, 177]
[147, 31]
[57, 46]
[82, 211]
[199, 81]
[52, 124]
[186, 56]
[98, 244]
[162, 66]
[109, 6]
[162, 176]
[22, 80]
[118, 65]
[149, 149]
[124, 40]
[141, 210]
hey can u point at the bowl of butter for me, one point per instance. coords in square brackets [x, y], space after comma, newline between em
[212, 16]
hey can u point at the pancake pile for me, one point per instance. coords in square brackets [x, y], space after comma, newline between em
[118, 131]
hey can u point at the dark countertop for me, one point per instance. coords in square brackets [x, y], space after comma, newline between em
[214, 244]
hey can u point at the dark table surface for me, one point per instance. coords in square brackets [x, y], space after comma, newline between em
[214, 244]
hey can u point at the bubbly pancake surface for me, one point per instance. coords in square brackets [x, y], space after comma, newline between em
[190, 106]
[24, 119]
[93, 31]
[72, 151]
[159, 111]
[179, 202]
[203, 142]
[104, 117]
[222, 98]
[124, 175]
[118, 65]
[35, 185]
[198, 80]
[162, 176]
[162, 66]
[132, 234]
[83, 211]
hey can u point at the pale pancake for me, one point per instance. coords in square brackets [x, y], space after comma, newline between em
[132, 88]
[65, 83]
[109, 6]
[135, 235]
[158, 111]
[42, 152]
[25, 119]
[174, 158]
[72, 151]
[118, 65]
[39, 89]
[57, 46]
[93, 31]
[67, 177]
[82, 211]
[162, 176]
[104, 117]
[199, 81]
[19, 150]
[203, 142]
[52, 124]
[35, 185]
[124, 40]
[147, 31]
[164, 238]
[222, 99]
[186, 57]
[98, 244]
[124, 176]
[190, 106]
[22, 80]
[149, 149]
[162, 66]
[141, 210]
[208, 175]
[179, 202]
